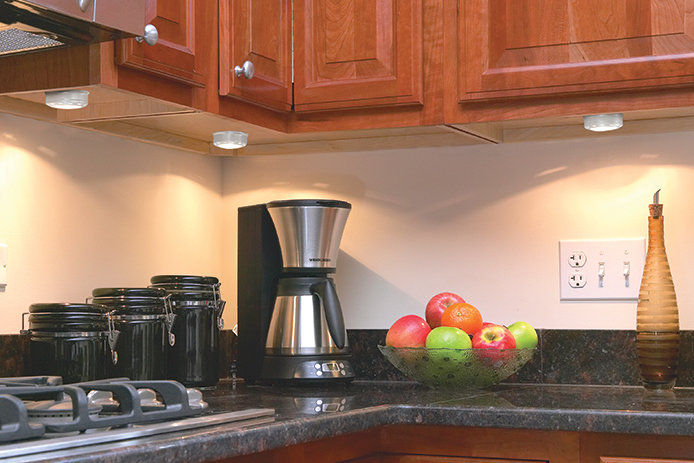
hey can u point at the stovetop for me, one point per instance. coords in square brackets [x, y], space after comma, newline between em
[40, 414]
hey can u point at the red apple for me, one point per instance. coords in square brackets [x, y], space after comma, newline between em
[408, 331]
[493, 337]
[438, 304]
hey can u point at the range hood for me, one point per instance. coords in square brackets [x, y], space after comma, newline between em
[28, 25]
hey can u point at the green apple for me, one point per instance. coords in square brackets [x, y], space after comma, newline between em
[448, 337]
[526, 336]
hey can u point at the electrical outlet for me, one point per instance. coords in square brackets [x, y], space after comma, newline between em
[577, 259]
[577, 280]
[608, 269]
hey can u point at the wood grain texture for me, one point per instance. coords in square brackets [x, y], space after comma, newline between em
[67, 7]
[357, 53]
[500, 444]
[258, 31]
[621, 448]
[123, 15]
[126, 129]
[46, 70]
[174, 56]
[513, 48]
[355, 144]
[403, 458]
[640, 460]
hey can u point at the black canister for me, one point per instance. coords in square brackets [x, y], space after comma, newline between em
[68, 340]
[197, 304]
[144, 320]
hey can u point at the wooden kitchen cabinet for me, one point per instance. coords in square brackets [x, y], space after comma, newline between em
[623, 448]
[431, 444]
[519, 48]
[454, 444]
[176, 55]
[258, 31]
[68, 7]
[357, 53]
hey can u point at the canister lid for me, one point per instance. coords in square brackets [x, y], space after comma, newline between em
[310, 202]
[129, 292]
[183, 280]
[66, 317]
[67, 307]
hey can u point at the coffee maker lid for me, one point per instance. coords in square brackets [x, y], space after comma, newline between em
[310, 202]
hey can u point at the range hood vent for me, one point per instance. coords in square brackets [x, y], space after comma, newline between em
[14, 40]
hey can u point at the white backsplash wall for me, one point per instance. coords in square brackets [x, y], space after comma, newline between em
[482, 221]
[81, 210]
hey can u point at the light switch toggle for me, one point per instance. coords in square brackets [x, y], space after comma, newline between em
[601, 274]
[626, 272]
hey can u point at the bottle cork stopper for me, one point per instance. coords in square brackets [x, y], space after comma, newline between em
[656, 210]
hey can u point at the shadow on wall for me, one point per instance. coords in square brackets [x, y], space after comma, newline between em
[360, 289]
[439, 184]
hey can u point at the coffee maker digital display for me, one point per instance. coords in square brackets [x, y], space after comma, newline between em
[289, 316]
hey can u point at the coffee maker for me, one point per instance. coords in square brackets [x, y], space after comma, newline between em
[290, 323]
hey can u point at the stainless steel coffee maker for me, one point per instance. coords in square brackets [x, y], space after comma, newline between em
[290, 319]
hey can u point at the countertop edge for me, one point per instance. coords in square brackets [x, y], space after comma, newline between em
[214, 444]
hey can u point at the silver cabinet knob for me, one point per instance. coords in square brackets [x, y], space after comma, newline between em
[84, 4]
[150, 36]
[247, 70]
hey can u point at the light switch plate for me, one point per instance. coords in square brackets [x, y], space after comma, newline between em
[609, 258]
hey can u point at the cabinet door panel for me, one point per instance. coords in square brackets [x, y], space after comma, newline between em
[258, 31]
[513, 48]
[173, 56]
[124, 15]
[357, 53]
[68, 7]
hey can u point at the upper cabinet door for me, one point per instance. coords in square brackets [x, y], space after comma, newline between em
[77, 9]
[174, 54]
[357, 53]
[258, 31]
[510, 48]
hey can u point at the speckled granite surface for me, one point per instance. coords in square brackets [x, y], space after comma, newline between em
[369, 405]
[605, 357]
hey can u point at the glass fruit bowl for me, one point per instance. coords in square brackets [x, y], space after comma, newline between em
[457, 368]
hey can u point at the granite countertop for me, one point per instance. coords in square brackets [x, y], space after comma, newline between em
[618, 409]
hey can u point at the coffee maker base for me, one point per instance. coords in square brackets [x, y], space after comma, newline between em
[322, 368]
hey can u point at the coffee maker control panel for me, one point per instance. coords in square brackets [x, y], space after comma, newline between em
[324, 369]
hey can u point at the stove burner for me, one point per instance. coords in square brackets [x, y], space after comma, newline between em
[195, 399]
[149, 400]
[104, 399]
[58, 408]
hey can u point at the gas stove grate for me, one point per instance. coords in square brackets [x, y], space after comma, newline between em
[14, 421]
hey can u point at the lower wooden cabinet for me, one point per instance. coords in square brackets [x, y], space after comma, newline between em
[640, 460]
[451, 444]
[400, 458]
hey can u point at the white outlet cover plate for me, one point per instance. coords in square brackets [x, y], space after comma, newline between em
[614, 253]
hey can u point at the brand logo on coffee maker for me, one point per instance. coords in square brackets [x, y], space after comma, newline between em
[319, 259]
